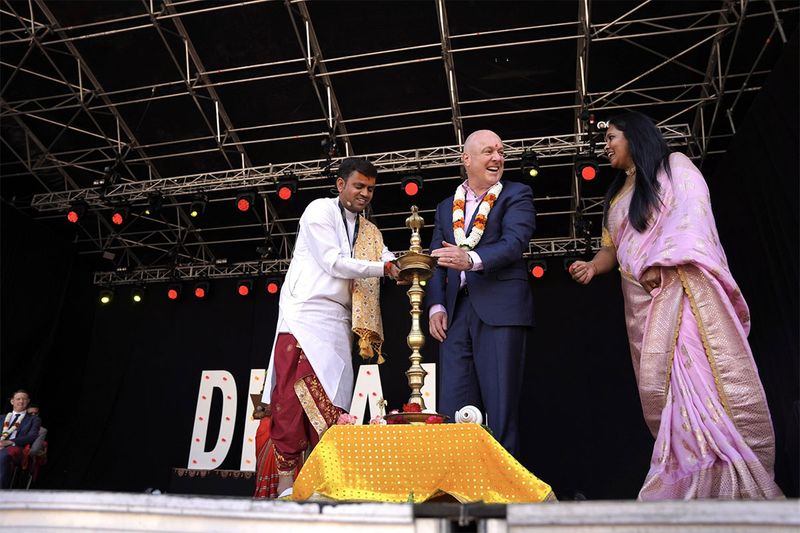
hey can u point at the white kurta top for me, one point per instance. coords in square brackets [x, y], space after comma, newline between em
[315, 302]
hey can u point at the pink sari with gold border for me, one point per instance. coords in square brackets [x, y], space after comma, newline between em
[701, 395]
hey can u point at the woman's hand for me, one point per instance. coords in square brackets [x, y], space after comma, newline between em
[583, 271]
[651, 278]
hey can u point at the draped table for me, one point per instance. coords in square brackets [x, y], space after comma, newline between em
[414, 463]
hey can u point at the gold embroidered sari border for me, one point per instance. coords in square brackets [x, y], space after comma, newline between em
[706, 345]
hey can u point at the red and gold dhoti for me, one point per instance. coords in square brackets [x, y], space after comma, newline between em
[301, 412]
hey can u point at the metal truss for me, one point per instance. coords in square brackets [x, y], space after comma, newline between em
[144, 276]
[265, 177]
[696, 111]
[278, 267]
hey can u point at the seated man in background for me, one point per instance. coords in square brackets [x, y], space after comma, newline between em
[19, 430]
[39, 445]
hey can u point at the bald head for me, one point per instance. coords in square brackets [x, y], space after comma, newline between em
[484, 160]
[474, 138]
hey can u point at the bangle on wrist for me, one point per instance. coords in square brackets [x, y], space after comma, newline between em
[387, 267]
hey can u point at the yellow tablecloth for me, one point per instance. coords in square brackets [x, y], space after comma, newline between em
[398, 463]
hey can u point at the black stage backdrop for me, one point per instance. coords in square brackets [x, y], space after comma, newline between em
[118, 385]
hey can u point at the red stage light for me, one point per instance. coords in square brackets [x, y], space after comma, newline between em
[244, 287]
[411, 185]
[287, 186]
[202, 289]
[273, 285]
[586, 167]
[537, 268]
[244, 200]
[174, 291]
[76, 212]
[119, 215]
[285, 192]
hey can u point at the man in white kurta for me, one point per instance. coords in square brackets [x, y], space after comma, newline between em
[315, 319]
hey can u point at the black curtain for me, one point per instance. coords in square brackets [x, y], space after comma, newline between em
[46, 314]
[754, 192]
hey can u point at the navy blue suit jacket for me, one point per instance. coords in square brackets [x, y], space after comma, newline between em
[500, 293]
[28, 430]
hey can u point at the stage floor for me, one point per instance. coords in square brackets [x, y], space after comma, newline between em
[51, 511]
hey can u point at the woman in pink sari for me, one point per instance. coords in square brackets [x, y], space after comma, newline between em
[687, 324]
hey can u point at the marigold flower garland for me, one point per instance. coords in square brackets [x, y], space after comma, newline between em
[7, 431]
[478, 227]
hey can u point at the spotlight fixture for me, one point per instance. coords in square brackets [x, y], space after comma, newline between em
[244, 287]
[537, 268]
[266, 250]
[328, 145]
[120, 214]
[244, 201]
[586, 167]
[174, 291]
[198, 205]
[411, 185]
[529, 164]
[137, 294]
[106, 296]
[76, 212]
[287, 186]
[202, 289]
[154, 204]
[273, 285]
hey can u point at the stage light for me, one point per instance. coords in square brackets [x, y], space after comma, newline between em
[537, 268]
[586, 167]
[106, 296]
[266, 250]
[76, 212]
[201, 289]
[287, 186]
[174, 291]
[198, 205]
[120, 214]
[529, 164]
[244, 287]
[273, 285]
[411, 185]
[137, 294]
[154, 204]
[244, 201]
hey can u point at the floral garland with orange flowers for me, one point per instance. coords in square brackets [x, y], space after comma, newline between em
[459, 202]
[8, 431]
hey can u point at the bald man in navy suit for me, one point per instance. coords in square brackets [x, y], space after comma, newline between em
[479, 298]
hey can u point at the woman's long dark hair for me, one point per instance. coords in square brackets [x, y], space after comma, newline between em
[649, 152]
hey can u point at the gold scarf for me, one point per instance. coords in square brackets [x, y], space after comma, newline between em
[367, 322]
